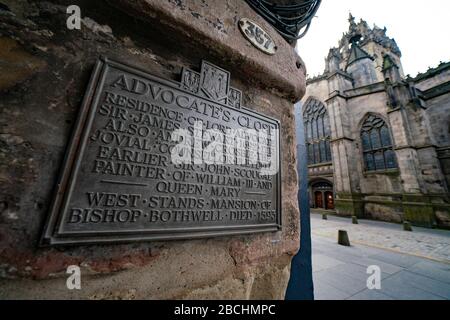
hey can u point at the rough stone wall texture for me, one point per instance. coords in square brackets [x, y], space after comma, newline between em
[363, 72]
[384, 213]
[44, 71]
[377, 52]
[318, 90]
[439, 114]
[431, 171]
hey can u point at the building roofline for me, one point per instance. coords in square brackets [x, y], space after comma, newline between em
[431, 72]
[318, 78]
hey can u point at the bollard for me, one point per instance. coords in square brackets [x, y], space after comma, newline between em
[324, 216]
[343, 239]
[407, 226]
[354, 219]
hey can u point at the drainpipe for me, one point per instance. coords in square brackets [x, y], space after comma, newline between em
[301, 285]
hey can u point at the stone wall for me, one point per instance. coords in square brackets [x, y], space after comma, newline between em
[44, 72]
[439, 114]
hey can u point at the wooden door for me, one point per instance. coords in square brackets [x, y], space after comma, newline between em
[318, 199]
[329, 199]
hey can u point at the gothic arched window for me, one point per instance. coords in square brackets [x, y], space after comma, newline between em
[377, 145]
[317, 132]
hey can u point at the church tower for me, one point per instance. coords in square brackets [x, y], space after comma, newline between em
[363, 50]
[360, 65]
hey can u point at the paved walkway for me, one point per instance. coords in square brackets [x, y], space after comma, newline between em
[407, 272]
[426, 243]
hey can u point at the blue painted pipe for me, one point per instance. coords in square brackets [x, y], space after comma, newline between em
[301, 285]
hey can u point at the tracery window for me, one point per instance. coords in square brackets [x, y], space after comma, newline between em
[317, 132]
[377, 145]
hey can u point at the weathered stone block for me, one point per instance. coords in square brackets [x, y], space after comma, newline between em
[18, 65]
[350, 205]
[418, 210]
[443, 216]
[48, 70]
[385, 210]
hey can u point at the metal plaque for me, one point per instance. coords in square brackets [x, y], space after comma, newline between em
[152, 159]
[257, 36]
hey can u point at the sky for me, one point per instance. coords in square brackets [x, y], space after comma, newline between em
[421, 29]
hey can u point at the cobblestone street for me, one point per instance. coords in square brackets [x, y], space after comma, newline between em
[414, 265]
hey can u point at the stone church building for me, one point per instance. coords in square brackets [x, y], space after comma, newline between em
[378, 141]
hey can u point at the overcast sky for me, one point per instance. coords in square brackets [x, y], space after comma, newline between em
[421, 29]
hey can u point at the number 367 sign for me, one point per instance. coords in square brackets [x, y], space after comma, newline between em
[257, 36]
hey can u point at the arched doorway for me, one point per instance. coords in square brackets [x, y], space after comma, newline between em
[323, 195]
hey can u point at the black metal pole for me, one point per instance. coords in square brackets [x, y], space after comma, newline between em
[301, 285]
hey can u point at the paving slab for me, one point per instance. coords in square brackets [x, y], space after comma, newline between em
[429, 285]
[322, 262]
[402, 290]
[370, 295]
[433, 270]
[385, 267]
[396, 259]
[354, 271]
[340, 281]
[324, 291]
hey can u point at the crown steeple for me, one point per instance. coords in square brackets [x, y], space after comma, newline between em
[361, 53]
